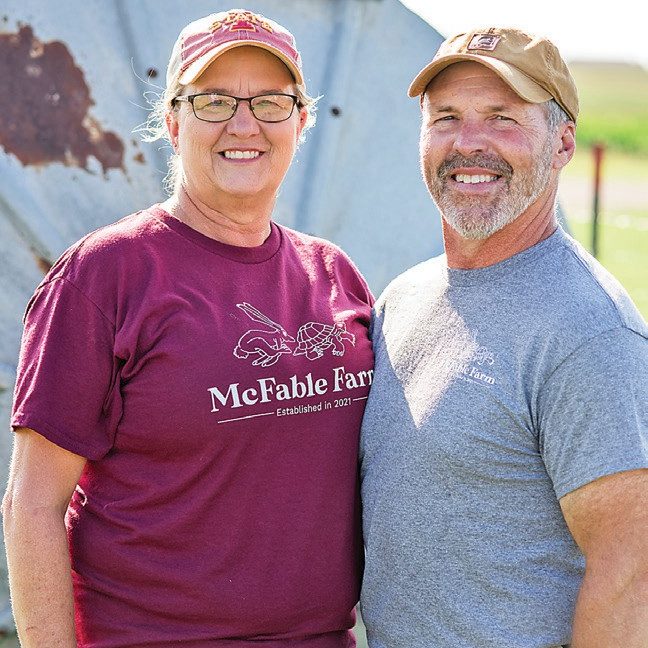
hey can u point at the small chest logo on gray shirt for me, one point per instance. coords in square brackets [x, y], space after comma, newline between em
[478, 368]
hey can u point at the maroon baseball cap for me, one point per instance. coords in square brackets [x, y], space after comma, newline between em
[203, 41]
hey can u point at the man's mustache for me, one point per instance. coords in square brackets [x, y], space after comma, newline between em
[489, 162]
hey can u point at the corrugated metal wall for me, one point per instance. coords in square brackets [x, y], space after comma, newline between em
[72, 85]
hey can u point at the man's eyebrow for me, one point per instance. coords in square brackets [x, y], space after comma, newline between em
[442, 108]
[447, 108]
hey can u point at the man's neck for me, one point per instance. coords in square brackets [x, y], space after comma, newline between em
[537, 223]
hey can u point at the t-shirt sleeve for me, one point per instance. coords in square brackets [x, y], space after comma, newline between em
[593, 411]
[66, 388]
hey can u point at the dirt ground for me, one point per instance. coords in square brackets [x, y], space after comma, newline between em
[617, 196]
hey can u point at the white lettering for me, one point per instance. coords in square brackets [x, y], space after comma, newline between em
[351, 382]
[267, 387]
[321, 386]
[223, 398]
[479, 375]
[309, 382]
[298, 388]
[251, 398]
[338, 376]
[283, 393]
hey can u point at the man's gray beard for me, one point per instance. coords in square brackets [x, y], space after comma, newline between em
[475, 219]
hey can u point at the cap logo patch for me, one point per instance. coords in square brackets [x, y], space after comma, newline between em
[241, 21]
[486, 42]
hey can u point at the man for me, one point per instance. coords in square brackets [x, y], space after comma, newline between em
[505, 444]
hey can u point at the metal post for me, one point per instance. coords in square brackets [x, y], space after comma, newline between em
[597, 151]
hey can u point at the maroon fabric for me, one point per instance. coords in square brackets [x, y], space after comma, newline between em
[217, 392]
[238, 26]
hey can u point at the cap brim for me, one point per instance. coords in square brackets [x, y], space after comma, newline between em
[519, 82]
[203, 62]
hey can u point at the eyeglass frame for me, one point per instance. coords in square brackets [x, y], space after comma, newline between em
[190, 100]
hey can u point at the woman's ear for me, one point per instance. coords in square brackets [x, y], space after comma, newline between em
[173, 128]
[303, 117]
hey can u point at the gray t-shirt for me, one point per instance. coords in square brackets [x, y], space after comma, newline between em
[496, 392]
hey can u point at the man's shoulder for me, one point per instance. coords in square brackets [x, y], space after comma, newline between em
[588, 295]
[409, 284]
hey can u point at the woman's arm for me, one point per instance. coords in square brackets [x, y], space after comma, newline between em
[42, 478]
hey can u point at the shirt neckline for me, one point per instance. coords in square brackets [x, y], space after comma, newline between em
[502, 269]
[257, 254]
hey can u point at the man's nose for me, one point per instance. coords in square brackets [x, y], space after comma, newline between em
[470, 138]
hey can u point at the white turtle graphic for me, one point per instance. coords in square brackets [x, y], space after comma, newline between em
[314, 338]
[267, 345]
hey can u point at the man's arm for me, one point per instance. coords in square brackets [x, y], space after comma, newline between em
[608, 519]
[42, 479]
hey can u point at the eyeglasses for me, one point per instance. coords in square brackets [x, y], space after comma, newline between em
[211, 107]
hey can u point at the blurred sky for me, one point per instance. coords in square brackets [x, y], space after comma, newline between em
[615, 31]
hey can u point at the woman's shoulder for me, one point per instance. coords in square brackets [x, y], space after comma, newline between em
[312, 245]
[315, 253]
[119, 244]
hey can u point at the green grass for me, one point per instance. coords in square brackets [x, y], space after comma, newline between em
[623, 231]
[615, 165]
[614, 111]
[614, 105]
[623, 250]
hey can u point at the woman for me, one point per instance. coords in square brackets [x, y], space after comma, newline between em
[201, 373]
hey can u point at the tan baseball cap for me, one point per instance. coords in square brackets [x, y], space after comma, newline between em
[530, 65]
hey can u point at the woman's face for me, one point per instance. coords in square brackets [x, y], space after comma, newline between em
[212, 167]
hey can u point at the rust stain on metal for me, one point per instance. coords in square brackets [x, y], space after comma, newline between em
[44, 106]
[44, 265]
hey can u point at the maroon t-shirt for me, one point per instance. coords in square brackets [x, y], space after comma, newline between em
[217, 393]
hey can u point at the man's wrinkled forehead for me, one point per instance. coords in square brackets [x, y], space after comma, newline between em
[467, 77]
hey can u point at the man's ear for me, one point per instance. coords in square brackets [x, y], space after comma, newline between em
[566, 145]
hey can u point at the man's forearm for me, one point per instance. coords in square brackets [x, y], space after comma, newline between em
[39, 576]
[610, 614]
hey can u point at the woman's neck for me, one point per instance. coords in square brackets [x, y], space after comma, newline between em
[238, 225]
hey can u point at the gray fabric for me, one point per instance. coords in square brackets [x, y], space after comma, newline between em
[496, 392]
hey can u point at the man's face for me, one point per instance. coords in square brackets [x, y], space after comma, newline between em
[486, 154]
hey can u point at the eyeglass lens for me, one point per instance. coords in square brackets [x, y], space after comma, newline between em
[270, 107]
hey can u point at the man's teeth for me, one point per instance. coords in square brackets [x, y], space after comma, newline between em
[474, 179]
[241, 155]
